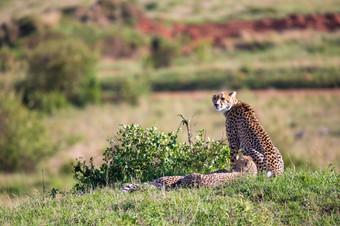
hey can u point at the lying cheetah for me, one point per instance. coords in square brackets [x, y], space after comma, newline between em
[168, 182]
[243, 166]
[245, 132]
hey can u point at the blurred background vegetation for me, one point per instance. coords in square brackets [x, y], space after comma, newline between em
[72, 71]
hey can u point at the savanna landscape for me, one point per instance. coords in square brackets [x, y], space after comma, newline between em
[94, 94]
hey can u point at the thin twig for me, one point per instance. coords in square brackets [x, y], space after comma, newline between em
[187, 124]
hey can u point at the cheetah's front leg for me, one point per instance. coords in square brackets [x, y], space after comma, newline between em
[234, 145]
[234, 149]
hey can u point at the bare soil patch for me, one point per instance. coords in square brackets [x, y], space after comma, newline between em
[217, 32]
[267, 93]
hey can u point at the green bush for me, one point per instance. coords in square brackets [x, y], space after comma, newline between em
[146, 154]
[23, 139]
[61, 68]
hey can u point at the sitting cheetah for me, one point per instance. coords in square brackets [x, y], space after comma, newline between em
[243, 166]
[245, 132]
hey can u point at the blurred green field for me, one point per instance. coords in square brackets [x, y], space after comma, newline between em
[291, 79]
[303, 124]
[289, 60]
[17, 187]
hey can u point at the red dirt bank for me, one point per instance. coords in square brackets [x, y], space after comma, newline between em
[218, 32]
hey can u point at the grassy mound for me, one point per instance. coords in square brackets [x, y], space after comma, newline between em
[294, 198]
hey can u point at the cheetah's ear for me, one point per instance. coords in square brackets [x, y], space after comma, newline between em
[232, 94]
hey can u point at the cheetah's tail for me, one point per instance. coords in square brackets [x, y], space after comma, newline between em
[130, 187]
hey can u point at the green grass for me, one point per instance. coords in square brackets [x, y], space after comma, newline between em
[16, 187]
[310, 198]
[272, 49]
[221, 10]
[248, 78]
[186, 11]
[19, 8]
[214, 78]
[92, 34]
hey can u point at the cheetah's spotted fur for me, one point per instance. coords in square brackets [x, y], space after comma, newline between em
[243, 166]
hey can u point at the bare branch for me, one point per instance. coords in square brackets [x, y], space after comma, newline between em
[187, 125]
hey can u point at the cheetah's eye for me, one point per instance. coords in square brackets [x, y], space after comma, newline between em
[223, 99]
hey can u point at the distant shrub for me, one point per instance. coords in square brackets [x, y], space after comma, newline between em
[203, 50]
[23, 139]
[128, 89]
[147, 154]
[48, 102]
[29, 24]
[268, 11]
[32, 41]
[132, 88]
[162, 52]
[150, 6]
[60, 68]
[13, 30]
[8, 60]
[129, 13]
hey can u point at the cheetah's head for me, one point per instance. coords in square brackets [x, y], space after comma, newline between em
[223, 101]
[246, 165]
